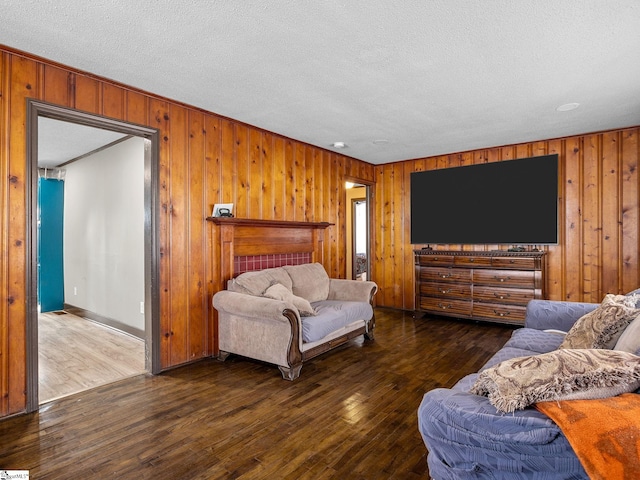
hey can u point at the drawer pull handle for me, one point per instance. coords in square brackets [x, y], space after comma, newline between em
[502, 279]
[443, 275]
[501, 296]
[471, 260]
[444, 307]
[502, 314]
[442, 290]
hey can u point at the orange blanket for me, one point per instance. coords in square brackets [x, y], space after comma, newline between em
[604, 433]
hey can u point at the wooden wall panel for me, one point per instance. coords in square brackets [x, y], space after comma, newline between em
[255, 178]
[203, 159]
[556, 257]
[611, 210]
[599, 222]
[113, 98]
[241, 167]
[630, 214]
[196, 243]
[279, 180]
[179, 235]
[137, 108]
[88, 94]
[5, 66]
[212, 193]
[55, 83]
[573, 272]
[23, 83]
[159, 119]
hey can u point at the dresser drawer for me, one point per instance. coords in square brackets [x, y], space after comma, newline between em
[471, 262]
[446, 306]
[514, 263]
[512, 296]
[499, 312]
[445, 290]
[435, 260]
[461, 275]
[505, 278]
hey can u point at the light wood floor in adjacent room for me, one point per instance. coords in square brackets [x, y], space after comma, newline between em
[350, 415]
[76, 354]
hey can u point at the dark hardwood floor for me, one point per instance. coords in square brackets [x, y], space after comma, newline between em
[350, 415]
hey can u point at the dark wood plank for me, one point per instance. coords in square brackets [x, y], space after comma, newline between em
[350, 414]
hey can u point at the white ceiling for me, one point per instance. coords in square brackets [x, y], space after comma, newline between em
[393, 80]
[59, 142]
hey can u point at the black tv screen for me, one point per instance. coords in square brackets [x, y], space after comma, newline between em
[511, 202]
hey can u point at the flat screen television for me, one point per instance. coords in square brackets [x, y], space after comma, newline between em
[512, 202]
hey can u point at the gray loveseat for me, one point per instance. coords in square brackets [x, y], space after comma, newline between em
[468, 438]
[287, 315]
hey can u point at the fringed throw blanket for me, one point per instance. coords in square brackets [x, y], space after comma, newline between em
[604, 433]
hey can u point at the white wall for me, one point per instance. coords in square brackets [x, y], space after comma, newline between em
[104, 233]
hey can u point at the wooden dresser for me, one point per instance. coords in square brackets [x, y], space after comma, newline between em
[493, 286]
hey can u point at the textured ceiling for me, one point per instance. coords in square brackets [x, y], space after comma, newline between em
[393, 80]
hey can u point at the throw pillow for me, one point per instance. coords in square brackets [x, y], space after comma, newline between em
[634, 297]
[629, 341]
[309, 280]
[278, 291]
[559, 375]
[257, 281]
[602, 327]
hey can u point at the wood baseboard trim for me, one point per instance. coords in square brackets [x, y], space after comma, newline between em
[109, 322]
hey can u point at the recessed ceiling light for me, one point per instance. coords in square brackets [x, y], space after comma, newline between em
[567, 106]
[339, 145]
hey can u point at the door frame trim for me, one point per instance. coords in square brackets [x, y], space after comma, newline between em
[354, 202]
[36, 109]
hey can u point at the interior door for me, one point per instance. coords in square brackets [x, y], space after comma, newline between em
[50, 244]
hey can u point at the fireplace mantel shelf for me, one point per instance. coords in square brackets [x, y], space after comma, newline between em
[267, 223]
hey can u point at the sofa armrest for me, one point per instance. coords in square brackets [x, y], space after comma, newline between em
[351, 290]
[466, 437]
[245, 305]
[555, 314]
[259, 328]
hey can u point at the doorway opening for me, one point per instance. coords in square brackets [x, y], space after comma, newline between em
[94, 270]
[358, 231]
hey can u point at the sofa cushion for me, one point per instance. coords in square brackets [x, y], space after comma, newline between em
[525, 342]
[255, 283]
[602, 327]
[537, 341]
[553, 314]
[331, 316]
[507, 353]
[559, 375]
[277, 291]
[629, 341]
[309, 281]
